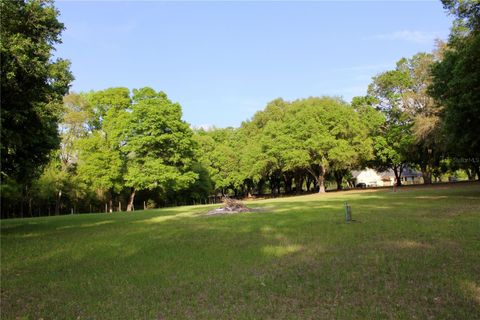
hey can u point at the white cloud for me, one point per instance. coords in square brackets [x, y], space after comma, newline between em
[406, 35]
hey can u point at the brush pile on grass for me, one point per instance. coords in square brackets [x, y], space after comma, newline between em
[233, 205]
[230, 206]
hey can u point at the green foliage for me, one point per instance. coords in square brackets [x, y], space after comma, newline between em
[100, 163]
[158, 144]
[101, 102]
[114, 142]
[455, 86]
[32, 86]
[467, 14]
[218, 151]
[411, 132]
[330, 132]
[100, 160]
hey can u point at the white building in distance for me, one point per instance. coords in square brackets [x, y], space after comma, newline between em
[373, 178]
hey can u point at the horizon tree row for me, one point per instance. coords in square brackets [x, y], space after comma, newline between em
[120, 150]
[117, 149]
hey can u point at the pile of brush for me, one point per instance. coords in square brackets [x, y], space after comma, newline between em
[230, 206]
[233, 205]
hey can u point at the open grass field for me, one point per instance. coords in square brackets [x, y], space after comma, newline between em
[414, 254]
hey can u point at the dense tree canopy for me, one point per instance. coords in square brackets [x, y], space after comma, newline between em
[118, 149]
[157, 144]
[411, 133]
[456, 82]
[32, 86]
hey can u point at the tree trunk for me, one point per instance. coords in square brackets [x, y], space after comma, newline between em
[320, 178]
[338, 179]
[260, 185]
[30, 212]
[298, 183]
[427, 177]
[426, 174]
[288, 185]
[130, 199]
[321, 183]
[58, 200]
[477, 171]
[470, 174]
[397, 176]
[22, 200]
[272, 186]
[110, 201]
[288, 181]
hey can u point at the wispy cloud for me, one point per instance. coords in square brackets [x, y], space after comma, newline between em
[406, 35]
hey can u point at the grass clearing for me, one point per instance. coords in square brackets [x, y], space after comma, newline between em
[411, 254]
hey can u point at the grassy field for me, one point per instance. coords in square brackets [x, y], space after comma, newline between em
[414, 254]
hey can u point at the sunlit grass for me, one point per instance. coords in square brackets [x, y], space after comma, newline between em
[409, 254]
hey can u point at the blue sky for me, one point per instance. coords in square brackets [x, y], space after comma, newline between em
[223, 61]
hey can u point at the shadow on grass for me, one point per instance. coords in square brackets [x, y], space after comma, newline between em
[297, 259]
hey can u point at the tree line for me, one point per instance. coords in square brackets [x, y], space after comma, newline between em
[121, 149]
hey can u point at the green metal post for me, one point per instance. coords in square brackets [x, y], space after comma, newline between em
[348, 212]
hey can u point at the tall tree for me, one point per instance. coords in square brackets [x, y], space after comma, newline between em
[32, 86]
[427, 147]
[158, 145]
[101, 165]
[388, 92]
[101, 162]
[327, 135]
[221, 157]
[456, 82]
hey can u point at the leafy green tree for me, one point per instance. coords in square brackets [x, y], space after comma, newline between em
[32, 86]
[456, 82]
[374, 122]
[100, 102]
[101, 165]
[427, 147]
[158, 145]
[326, 134]
[391, 146]
[221, 156]
[260, 159]
[101, 162]
[53, 183]
[11, 191]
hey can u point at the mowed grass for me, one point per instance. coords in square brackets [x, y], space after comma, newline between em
[414, 254]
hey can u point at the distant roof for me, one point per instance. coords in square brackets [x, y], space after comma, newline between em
[388, 173]
[407, 172]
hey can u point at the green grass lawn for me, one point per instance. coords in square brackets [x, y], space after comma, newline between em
[414, 254]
